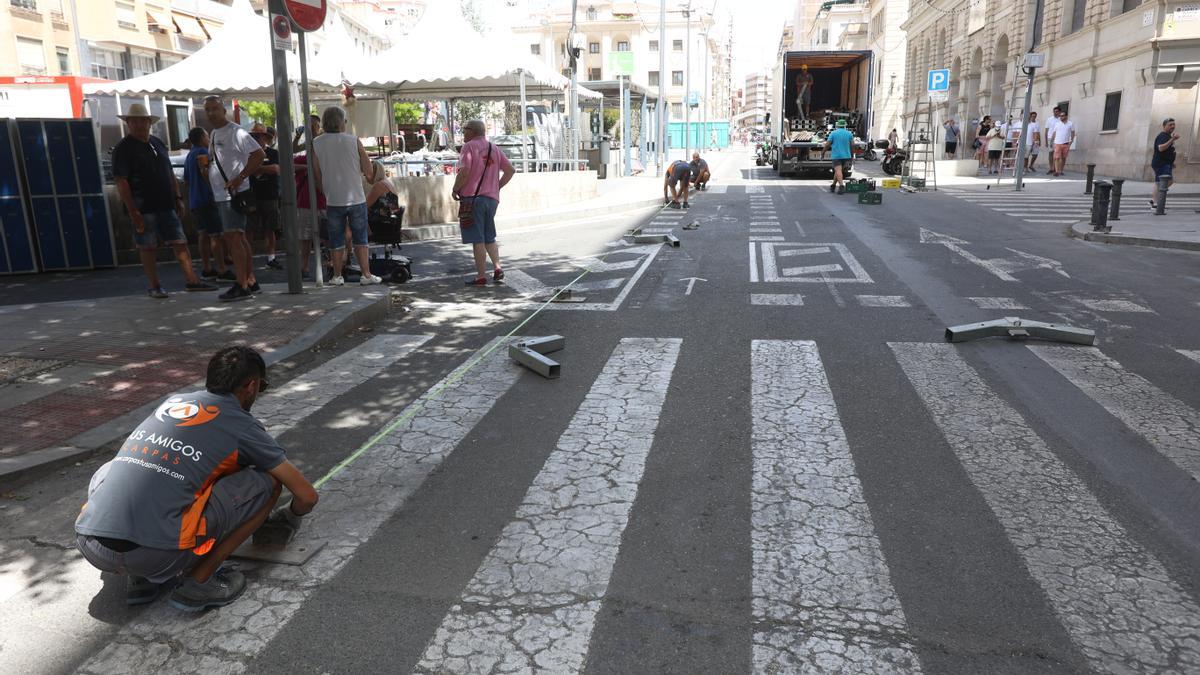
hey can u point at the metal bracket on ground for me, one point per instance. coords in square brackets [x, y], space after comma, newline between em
[1016, 328]
[561, 295]
[293, 554]
[531, 354]
[656, 239]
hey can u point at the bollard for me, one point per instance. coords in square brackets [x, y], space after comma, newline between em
[1095, 206]
[1100, 210]
[1091, 173]
[1160, 209]
[1114, 213]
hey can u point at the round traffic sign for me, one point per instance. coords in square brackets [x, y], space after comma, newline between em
[308, 15]
[281, 27]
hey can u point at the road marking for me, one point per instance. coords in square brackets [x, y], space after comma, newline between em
[716, 189]
[354, 503]
[1114, 598]
[777, 299]
[1053, 220]
[764, 223]
[883, 301]
[768, 238]
[533, 602]
[955, 244]
[822, 597]
[997, 303]
[753, 262]
[691, 283]
[525, 284]
[1001, 267]
[597, 285]
[1101, 305]
[754, 189]
[1193, 354]
[800, 229]
[765, 230]
[1167, 424]
[772, 272]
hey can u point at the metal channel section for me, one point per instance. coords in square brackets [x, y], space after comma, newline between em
[1018, 329]
[531, 354]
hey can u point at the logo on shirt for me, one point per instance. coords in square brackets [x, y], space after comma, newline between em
[187, 413]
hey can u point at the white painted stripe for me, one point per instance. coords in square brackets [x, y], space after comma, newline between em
[777, 299]
[766, 238]
[754, 189]
[997, 303]
[770, 222]
[1193, 354]
[883, 301]
[532, 604]
[1053, 220]
[354, 503]
[597, 285]
[821, 594]
[765, 230]
[1114, 598]
[1167, 424]
[753, 262]
[1108, 305]
[524, 284]
[716, 189]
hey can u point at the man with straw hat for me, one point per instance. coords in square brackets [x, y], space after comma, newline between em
[146, 183]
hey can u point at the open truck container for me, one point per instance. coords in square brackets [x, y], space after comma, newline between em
[841, 89]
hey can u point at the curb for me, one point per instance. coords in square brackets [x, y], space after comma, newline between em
[448, 230]
[1128, 239]
[338, 320]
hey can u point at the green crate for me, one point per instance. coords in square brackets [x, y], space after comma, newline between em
[870, 198]
[855, 186]
[913, 181]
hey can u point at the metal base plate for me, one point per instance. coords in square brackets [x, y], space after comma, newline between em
[295, 553]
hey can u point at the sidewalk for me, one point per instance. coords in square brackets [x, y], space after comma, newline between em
[76, 375]
[1179, 228]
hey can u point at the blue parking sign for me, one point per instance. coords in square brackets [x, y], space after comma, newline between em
[939, 80]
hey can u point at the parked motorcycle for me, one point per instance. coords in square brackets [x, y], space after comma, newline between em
[893, 161]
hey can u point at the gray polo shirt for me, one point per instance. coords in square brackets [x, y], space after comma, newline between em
[154, 491]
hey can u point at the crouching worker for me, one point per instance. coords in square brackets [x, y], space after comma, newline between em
[700, 174]
[189, 485]
[678, 179]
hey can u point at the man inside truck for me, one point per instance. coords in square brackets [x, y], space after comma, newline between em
[804, 85]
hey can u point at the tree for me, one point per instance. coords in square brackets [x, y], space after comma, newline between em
[261, 111]
[472, 14]
[468, 110]
[407, 113]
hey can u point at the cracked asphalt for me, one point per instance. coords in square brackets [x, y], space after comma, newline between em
[761, 456]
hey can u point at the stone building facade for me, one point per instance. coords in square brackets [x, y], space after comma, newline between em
[1119, 67]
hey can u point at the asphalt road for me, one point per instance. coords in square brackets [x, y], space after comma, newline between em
[761, 456]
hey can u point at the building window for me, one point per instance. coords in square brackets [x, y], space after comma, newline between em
[677, 45]
[1078, 14]
[654, 45]
[1112, 111]
[178, 123]
[535, 49]
[30, 5]
[592, 14]
[677, 78]
[593, 74]
[126, 15]
[1129, 5]
[107, 64]
[653, 77]
[64, 60]
[142, 64]
[622, 46]
[676, 110]
[593, 47]
[31, 56]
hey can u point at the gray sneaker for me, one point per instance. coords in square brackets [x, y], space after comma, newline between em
[140, 590]
[222, 588]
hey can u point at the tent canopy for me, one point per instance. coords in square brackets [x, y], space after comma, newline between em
[444, 57]
[236, 61]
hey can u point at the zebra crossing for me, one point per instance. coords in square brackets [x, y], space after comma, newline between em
[822, 592]
[1052, 209]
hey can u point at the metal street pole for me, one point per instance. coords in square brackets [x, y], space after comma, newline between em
[687, 83]
[661, 145]
[283, 129]
[310, 179]
[627, 126]
[707, 93]
[1023, 143]
[574, 100]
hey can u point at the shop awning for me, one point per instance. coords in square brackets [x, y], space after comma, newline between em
[157, 17]
[189, 27]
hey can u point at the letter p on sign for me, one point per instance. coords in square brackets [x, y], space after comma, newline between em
[939, 80]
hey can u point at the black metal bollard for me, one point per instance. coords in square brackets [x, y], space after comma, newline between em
[1100, 205]
[1114, 212]
[1091, 173]
[1160, 209]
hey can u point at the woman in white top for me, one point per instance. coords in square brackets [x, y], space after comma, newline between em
[340, 163]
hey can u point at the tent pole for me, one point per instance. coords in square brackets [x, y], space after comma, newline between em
[393, 134]
[287, 193]
[318, 270]
[525, 149]
[626, 129]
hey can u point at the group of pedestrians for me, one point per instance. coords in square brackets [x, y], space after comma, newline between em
[233, 185]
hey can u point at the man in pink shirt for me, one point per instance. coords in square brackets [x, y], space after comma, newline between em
[482, 171]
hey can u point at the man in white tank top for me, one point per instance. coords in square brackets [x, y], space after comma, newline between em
[339, 164]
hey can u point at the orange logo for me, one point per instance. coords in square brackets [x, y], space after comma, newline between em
[188, 413]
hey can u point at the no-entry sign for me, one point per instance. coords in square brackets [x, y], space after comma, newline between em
[308, 15]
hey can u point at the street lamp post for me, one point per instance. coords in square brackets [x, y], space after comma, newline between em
[687, 82]
[661, 145]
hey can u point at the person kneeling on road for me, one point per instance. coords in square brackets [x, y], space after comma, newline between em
[189, 485]
[678, 178]
[839, 142]
[700, 173]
